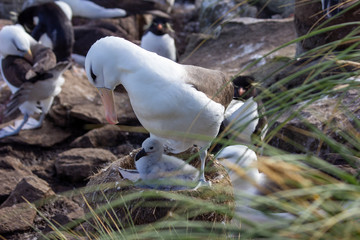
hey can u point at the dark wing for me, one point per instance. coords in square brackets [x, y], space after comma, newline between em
[24, 93]
[34, 89]
[215, 84]
[108, 25]
[86, 36]
[15, 69]
[19, 97]
[26, 18]
[44, 58]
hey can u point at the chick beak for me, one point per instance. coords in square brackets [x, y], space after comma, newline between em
[140, 154]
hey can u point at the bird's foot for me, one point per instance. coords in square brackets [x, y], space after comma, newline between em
[203, 183]
[8, 131]
[32, 123]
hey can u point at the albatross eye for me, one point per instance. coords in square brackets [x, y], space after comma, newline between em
[151, 148]
[93, 76]
[17, 48]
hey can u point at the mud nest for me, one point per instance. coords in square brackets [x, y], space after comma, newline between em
[108, 193]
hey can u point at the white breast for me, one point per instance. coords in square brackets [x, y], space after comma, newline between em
[243, 119]
[170, 111]
[46, 41]
[162, 45]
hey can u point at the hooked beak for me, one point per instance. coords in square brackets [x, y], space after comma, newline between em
[107, 97]
[241, 91]
[28, 56]
[140, 154]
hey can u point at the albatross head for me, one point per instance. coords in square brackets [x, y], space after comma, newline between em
[106, 63]
[150, 147]
[16, 42]
[101, 70]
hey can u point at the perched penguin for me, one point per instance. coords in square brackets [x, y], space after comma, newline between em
[153, 164]
[32, 74]
[244, 117]
[159, 38]
[49, 25]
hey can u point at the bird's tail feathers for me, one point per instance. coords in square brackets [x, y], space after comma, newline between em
[18, 98]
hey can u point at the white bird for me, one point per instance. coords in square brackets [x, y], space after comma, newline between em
[248, 183]
[240, 156]
[65, 8]
[182, 105]
[244, 117]
[31, 72]
[115, 8]
[89, 9]
[158, 38]
[153, 164]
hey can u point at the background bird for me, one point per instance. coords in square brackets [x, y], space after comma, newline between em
[153, 164]
[181, 105]
[48, 24]
[31, 72]
[90, 9]
[159, 38]
[114, 8]
[248, 183]
[245, 121]
[240, 162]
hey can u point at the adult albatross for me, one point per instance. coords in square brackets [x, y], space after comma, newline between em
[181, 105]
[32, 74]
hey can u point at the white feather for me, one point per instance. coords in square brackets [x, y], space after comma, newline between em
[88, 9]
[163, 45]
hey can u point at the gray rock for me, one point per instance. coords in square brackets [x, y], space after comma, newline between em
[239, 43]
[106, 136]
[331, 115]
[60, 211]
[19, 217]
[30, 188]
[46, 136]
[274, 8]
[12, 171]
[309, 18]
[213, 11]
[77, 164]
